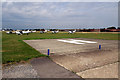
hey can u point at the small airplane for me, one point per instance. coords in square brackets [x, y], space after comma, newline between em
[23, 32]
[26, 32]
[72, 31]
[55, 32]
[43, 31]
[18, 32]
[33, 31]
[9, 32]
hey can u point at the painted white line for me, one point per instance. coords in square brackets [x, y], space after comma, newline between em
[71, 42]
[83, 41]
[74, 41]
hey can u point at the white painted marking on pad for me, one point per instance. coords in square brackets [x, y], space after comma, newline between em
[76, 41]
[70, 41]
[83, 41]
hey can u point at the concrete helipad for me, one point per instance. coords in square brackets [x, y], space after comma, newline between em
[81, 55]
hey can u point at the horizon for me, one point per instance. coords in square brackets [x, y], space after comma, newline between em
[56, 28]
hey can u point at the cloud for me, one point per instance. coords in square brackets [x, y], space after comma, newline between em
[56, 14]
[60, 0]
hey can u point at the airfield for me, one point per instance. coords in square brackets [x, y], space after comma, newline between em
[82, 56]
[71, 55]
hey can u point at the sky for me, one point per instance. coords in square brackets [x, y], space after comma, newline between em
[60, 15]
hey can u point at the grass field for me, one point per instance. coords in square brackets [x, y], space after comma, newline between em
[15, 50]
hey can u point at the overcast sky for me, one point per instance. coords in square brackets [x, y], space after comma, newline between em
[19, 15]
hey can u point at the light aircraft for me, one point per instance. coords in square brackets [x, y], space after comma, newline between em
[33, 31]
[26, 32]
[23, 32]
[55, 31]
[9, 32]
[18, 32]
[43, 31]
[72, 31]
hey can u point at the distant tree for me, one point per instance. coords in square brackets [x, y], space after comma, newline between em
[42, 30]
[111, 28]
[118, 27]
[102, 30]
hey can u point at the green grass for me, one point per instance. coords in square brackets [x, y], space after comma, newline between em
[15, 50]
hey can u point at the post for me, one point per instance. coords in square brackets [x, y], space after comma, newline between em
[99, 47]
[48, 52]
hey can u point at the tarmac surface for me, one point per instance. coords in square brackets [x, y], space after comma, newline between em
[38, 68]
[46, 68]
[82, 56]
